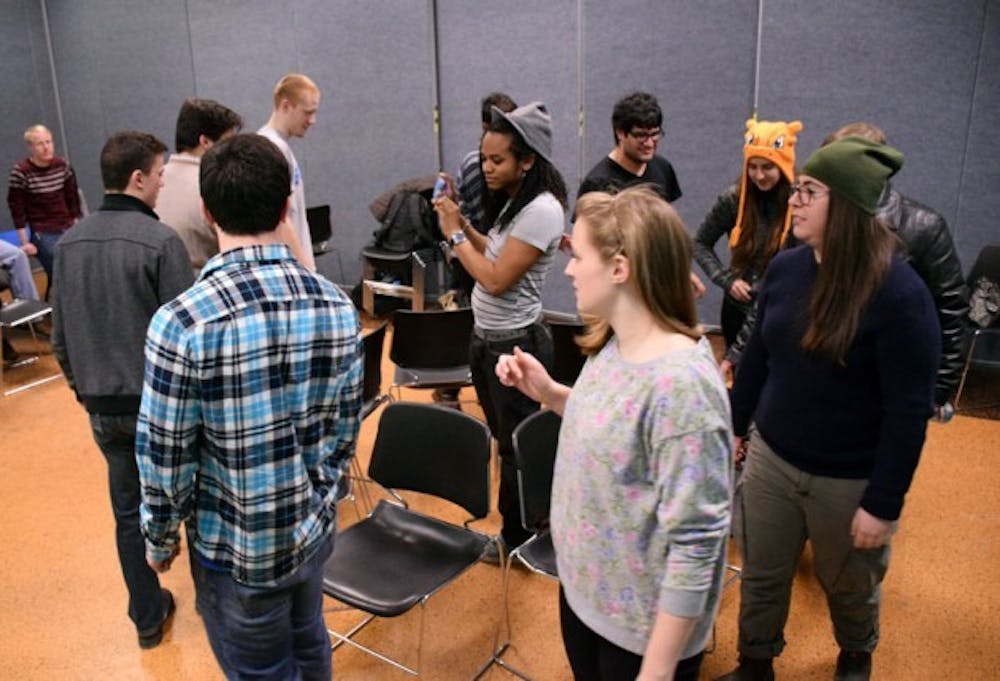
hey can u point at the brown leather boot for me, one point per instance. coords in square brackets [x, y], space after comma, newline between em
[750, 669]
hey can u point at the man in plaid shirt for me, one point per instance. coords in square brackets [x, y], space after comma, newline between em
[250, 413]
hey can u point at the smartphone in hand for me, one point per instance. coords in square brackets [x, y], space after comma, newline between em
[440, 188]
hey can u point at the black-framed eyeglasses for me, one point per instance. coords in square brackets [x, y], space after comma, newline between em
[644, 135]
[806, 192]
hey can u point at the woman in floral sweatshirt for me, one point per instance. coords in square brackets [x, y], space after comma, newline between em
[642, 488]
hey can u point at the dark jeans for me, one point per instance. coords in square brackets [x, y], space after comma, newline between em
[267, 633]
[115, 435]
[594, 658]
[505, 408]
[45, 243]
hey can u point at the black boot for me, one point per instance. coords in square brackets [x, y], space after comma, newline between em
[853, 665]
[750, 669]
[10, 355]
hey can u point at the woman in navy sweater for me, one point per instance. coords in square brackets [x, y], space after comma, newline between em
[838, 379]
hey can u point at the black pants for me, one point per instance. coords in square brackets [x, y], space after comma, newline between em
[732, 317]
[594, 658]
[505, 408]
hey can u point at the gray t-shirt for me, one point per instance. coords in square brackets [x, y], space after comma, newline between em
[539, 224]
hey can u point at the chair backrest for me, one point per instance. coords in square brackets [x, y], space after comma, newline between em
[567, 359]
[987, 264]
[437, 339]
[434, 450]
[373, 342]
[984, 288]
[536, 439]
[320, 227]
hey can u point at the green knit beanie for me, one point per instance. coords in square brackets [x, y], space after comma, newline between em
[855, 168]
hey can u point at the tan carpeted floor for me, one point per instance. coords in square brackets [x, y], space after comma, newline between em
[62, 601]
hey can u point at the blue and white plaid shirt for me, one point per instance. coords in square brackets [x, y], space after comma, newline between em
[250, 413]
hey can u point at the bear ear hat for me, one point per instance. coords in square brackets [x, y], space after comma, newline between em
[774, 141]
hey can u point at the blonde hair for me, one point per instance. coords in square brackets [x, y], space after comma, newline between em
[38, 127]
[291, 87]
[639, 225]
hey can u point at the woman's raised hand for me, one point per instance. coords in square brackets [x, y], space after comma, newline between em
[523, 371]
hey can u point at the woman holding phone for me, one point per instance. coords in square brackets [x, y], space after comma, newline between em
[525, 204]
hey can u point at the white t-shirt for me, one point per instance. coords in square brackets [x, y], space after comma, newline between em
[297, 210]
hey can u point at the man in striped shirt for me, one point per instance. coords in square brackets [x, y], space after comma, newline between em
[42, 194]
[249, 416]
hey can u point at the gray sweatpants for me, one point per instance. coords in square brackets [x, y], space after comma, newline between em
[779, 507]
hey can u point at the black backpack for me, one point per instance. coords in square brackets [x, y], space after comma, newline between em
[409, 225]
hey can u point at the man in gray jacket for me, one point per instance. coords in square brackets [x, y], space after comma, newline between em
[114, 269]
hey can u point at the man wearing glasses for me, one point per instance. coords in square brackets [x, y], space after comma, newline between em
[636, 122]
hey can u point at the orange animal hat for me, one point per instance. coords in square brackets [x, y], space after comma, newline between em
[774, 141]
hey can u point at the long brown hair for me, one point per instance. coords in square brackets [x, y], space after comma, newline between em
[747, 245]
[857, 250]
[638, 224]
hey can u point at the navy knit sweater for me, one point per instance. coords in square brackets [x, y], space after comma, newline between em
[866, 418]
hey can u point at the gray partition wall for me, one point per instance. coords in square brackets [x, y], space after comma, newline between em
[924, 70]
[26, 82]
[529, 51]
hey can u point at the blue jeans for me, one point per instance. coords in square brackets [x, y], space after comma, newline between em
[15, 261]
[46, 242]
[115, 435]
[267, 633]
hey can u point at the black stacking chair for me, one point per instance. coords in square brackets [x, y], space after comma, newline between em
[567, 359]
[397, 558]
[372, 397]
[431, 349]
[535, 442]
[984, 335]
[321, 233]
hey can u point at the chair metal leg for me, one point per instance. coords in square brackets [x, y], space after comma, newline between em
[965, 369]
[30, 360]
[347, 638]
[359, 489]
[500, 648]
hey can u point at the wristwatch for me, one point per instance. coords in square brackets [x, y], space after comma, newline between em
[456, 239]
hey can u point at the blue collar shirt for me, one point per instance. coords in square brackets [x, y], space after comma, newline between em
[250, 414]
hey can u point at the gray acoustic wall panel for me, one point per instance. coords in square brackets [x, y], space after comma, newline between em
[28, 94]
[372, 62]
[698, 60]
[528, 50]
[978, 221]
[909, 66]
[922, 69]
[121, 64]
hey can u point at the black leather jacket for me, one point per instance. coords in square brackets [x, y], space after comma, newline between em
[930, 250]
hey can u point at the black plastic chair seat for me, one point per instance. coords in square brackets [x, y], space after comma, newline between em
[396, 557]
[539, 554]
